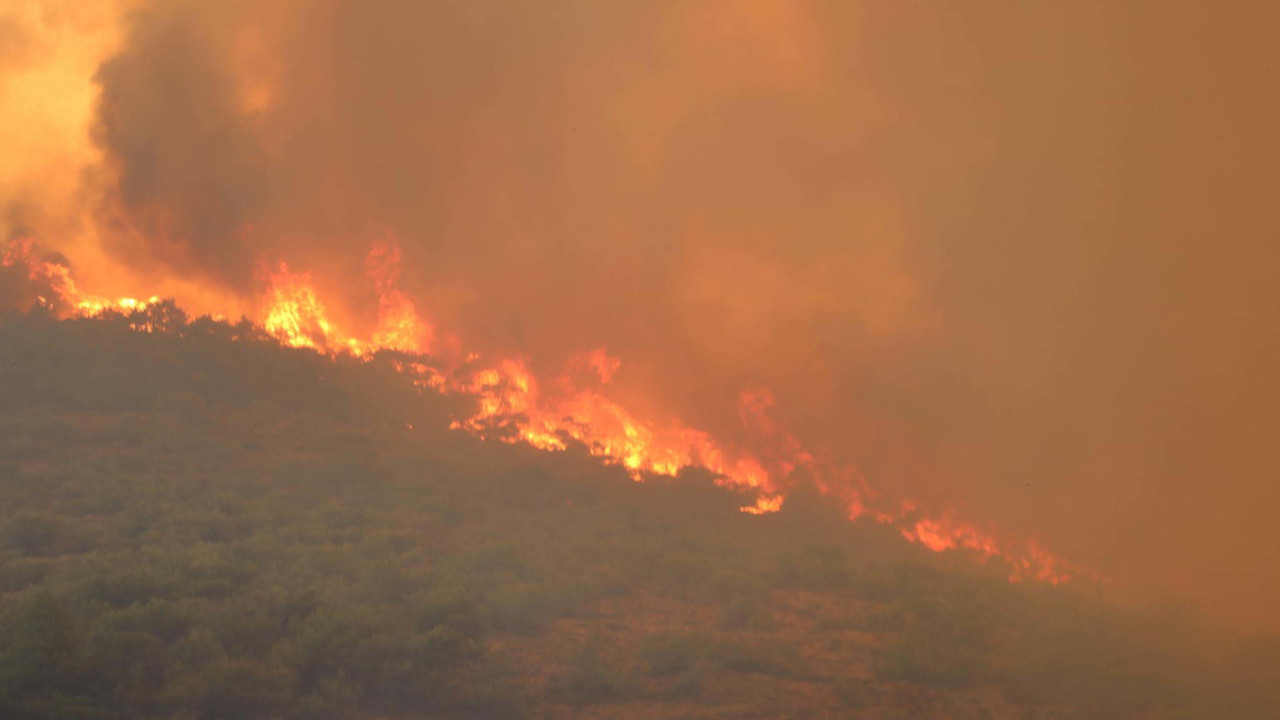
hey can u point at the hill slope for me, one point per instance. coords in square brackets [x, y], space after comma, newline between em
[198, 523]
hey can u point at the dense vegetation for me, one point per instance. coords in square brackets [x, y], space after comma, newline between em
[196, 523]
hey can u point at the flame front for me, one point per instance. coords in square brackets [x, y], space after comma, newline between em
[513, 404]
[400, 327]
[295, 315]
[56, 278]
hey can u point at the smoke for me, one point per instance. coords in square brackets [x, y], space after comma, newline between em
[1017, 260]
[189, 172]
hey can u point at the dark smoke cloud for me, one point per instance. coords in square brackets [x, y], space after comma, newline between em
[17, 291]
[1019, 258]
[23, 287]
[190, 172]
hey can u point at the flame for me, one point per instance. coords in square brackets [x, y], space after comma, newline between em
[56, 277]
[399, 325]
[601, 364]
[510, 397]
[765, 504]
[514, 405]
[295, 315]
[944, 533]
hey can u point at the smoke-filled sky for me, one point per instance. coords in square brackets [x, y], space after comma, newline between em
[1020, 259]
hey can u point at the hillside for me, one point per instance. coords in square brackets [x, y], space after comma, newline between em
[197, 523]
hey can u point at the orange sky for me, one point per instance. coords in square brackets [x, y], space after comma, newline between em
[1019, 259]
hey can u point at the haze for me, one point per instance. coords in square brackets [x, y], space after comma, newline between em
[1016, 259]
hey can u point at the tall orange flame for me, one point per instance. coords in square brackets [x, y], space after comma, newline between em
[295, 314]
[514, 405]
[399, 325]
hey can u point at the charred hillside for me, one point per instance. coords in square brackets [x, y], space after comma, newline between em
[196, 522]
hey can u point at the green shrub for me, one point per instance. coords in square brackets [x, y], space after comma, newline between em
[236, 688]
[122, 587]
[19, 573]
[882, 618]
[816, 567]
[855, 693]
[932, 653]
[520, 608]
[43, 649]
[681, 573]
[268, 548]
[746, 614]
[672, 653]
[35, 535]
[132, 664]
[686, 685]
[775, 659]
[595, 674]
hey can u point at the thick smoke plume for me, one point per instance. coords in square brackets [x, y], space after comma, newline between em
[1020, 260]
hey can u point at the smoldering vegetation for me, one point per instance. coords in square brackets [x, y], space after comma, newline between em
[196, 523]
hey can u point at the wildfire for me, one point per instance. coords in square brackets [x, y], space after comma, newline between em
[515, 405]
[765, 504]
[400, 327]
[55, 279]
[296, 316]
[511, 397]
[511, 401]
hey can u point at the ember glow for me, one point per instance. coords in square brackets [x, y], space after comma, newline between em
[515, 405]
